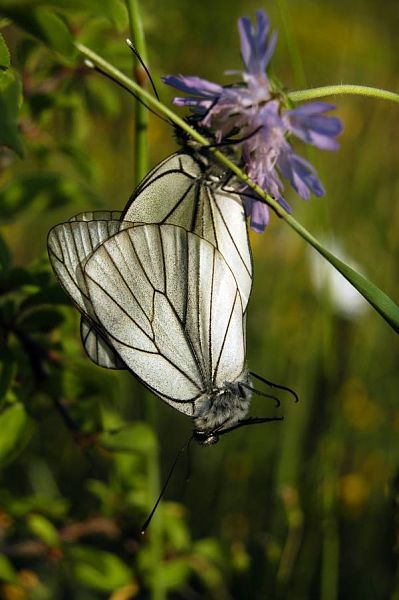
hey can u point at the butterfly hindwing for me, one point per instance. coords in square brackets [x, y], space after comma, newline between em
[69, 246]
[97, 348]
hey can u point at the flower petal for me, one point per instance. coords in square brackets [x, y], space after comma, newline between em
[258, 212]
[309, 124]
[300, 174]
[194, 85]
[256, 50]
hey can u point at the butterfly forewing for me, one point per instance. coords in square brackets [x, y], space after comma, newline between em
[228, 362]
[180, 191]
[187, 327]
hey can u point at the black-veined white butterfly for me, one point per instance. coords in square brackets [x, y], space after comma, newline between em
[167, 304]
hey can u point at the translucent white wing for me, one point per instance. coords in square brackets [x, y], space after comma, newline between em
[69, 245]
[181, 191]
[97, 348]
[170, 306]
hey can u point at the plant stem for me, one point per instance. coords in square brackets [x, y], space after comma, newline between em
[378, 299]
[140, 111]
[343, 89]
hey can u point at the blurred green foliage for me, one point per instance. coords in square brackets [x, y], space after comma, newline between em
[304, 509]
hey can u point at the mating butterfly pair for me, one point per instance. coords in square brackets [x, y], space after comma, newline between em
[163, 289]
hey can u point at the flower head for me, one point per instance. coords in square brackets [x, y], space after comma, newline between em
[258, 116]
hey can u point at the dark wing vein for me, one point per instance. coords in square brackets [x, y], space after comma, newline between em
[121, 308]
[192, 350]
[123, 279]
[225, 335]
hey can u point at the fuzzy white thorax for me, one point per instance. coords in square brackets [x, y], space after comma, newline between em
[224, 406]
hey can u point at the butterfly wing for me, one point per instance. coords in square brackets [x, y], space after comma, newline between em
[169, 305]
[180, 191]
[97, 348]
[69, 245]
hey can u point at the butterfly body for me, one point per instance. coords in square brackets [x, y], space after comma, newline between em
[221, 408]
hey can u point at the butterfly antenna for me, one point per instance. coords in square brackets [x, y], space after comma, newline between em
[165, 485]
[95, 67]
[276, 385]
[137, 55]
[260, 393]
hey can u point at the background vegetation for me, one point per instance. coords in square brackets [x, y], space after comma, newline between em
[307, 508]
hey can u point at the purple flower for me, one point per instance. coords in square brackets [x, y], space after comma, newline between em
[258, 115]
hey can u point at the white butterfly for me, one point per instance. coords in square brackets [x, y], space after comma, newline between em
[166, 303]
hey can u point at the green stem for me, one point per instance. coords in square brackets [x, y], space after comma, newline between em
[140, 111]
[344, 89]
[378, 299]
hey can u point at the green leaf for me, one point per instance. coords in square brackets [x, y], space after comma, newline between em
[176, 530]
[382, 303]
[19, 505]
[40, 320]
[174, 573]
[210, 549]
[7, 571]
[43, 529]
[137, 437]
[113, 10]
[10, 97]
[4, 54]
[99, 570]
[42, 23]
[16, 430]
